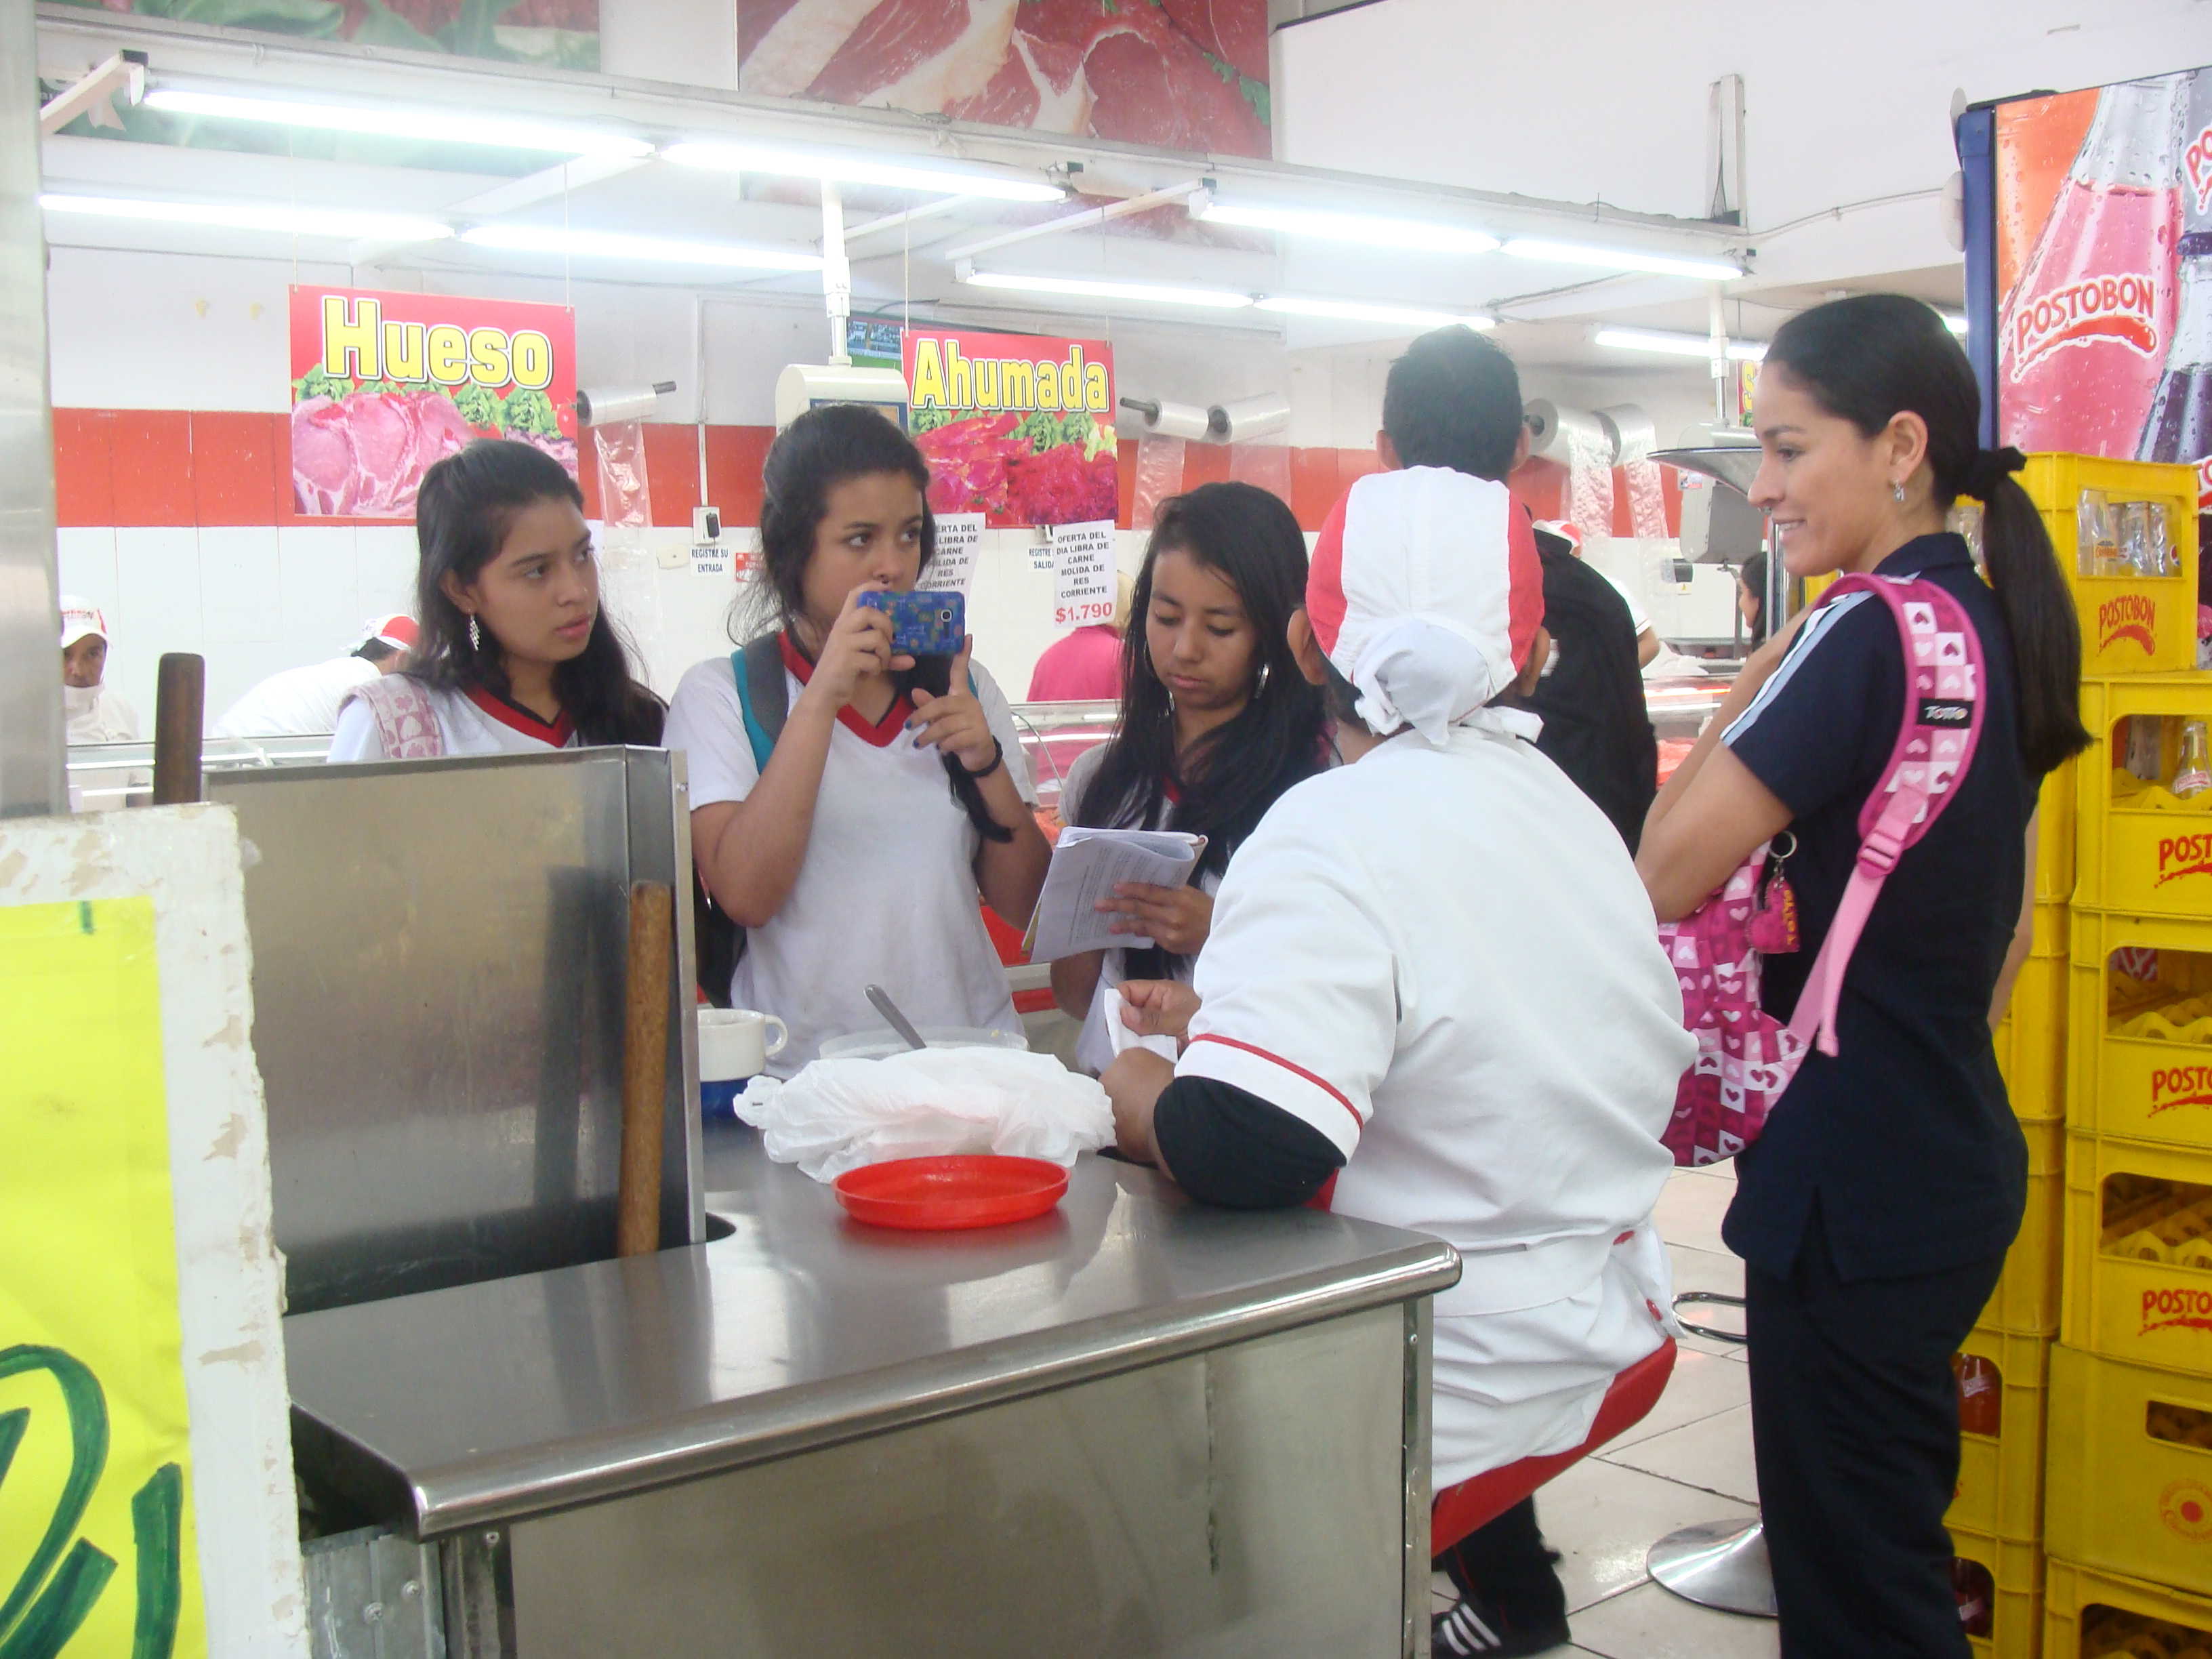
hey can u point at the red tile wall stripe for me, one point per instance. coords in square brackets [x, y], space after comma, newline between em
[182, 467]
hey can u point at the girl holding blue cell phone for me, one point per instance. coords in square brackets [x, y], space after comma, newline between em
[849, 799]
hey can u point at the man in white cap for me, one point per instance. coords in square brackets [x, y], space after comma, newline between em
[95, 712]
[1433, 982]
[304, 702]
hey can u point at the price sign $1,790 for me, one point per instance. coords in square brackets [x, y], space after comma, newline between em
[1099, 610]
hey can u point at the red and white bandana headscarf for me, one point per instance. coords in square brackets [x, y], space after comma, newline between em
[1427, 592]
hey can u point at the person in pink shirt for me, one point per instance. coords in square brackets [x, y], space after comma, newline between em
[1086, 665]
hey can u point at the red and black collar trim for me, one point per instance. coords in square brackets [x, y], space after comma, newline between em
[882, 733]
[515, 717]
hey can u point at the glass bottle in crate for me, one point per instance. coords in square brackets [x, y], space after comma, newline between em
[2193, 774]
[2097, 553]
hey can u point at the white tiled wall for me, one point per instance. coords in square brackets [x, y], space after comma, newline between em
[250, 600]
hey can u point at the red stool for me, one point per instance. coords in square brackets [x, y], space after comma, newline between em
[1458, 1510]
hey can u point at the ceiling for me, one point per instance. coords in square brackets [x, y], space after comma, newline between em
[1547, 310]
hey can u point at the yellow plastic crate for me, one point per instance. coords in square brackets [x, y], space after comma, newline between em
[2026, 1299]
[2130, 624]
[2015, 1613]
[2132, 856]
[2143, 1291]
[2131, 1470]
[2088, 1614]
[2054, 839]
[2000, 1487]
[2031, 1040]
[2138, 1085]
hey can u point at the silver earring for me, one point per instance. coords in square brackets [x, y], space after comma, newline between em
[1260, 689]
[475, 633]
[1897, 491]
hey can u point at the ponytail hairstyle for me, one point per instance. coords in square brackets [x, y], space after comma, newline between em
[1248, 538]
[463, 512]
[811, 457]
[1869, 358]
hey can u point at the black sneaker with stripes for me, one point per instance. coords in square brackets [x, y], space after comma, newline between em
[1473, 1627]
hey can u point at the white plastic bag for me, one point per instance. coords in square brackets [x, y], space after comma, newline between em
[837, 1115]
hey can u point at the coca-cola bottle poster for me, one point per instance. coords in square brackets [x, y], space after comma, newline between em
[1017, 427]
[2103, 265]
[386, 385]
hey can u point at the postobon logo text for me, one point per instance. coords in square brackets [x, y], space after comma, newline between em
[2166, 1309]
[2119, 308]
[2179, 1085]
[2184, 855]
[2133, 617]
[2196, 160]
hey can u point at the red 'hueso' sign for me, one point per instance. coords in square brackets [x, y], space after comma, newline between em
[384, 385]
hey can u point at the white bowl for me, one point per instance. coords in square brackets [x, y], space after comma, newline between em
[883, 1042]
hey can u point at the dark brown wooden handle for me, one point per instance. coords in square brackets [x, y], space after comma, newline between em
[645, 1067]
[179, 700]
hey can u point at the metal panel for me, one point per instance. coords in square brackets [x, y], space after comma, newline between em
[374, 1595]
[438, 966]
[1246, 1500]
[30, 665]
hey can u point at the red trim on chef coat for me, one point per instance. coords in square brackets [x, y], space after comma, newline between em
[882, 733]
[1320, 1083]
[520, 718]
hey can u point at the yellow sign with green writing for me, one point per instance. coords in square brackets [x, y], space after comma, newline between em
[97, 1555]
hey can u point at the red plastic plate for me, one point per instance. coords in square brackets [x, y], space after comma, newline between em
[939, 1194]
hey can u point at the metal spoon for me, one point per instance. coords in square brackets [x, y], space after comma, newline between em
[898, 1021]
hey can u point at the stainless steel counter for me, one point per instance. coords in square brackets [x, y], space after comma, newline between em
[1134, 1427]
[459, 1407]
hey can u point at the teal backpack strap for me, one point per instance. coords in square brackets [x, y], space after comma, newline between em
[762, 696]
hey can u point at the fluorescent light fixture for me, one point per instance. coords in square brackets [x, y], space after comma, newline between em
[643, 250]
[1356, 310]
[1953, 320]
[1419, 234]
[1210, 299]
[1677, 345]
[440, 126]
[1616, 259]
[345, 224]
[849, 169]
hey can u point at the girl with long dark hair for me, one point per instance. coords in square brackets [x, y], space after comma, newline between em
[513, 652]
[1874, 1211]
[895, 788]
[1216, 723]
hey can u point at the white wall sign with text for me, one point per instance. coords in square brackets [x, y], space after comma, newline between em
[1083, 573]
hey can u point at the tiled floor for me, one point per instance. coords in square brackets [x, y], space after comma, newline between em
[1689, 1461]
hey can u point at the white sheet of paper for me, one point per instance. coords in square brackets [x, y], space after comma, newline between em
[1083, 573]
[1086, 866]
[952, 570]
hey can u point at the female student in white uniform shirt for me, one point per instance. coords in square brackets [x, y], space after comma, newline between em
[1217, 722]
[895, 789]
[515, 654]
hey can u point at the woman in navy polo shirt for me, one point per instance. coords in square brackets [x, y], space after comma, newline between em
[1873, 1214]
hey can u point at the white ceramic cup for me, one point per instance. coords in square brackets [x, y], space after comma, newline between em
[733, 1043]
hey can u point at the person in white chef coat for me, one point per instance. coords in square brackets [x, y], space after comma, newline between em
[305, 700]
[95, 710]
[1432, 991]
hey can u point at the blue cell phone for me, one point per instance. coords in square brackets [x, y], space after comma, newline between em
[923, 623]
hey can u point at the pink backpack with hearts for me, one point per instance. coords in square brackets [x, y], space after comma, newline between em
[1745, 1057]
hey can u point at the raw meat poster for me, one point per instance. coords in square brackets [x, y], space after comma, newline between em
[1183, 75]
[2104, 272]
[384, 385]
[1017, 427]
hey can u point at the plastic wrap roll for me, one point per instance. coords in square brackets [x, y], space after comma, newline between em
[1168, 420]
[1556, 432]
[612, 406]
[1248, 418]
[1634, 435]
